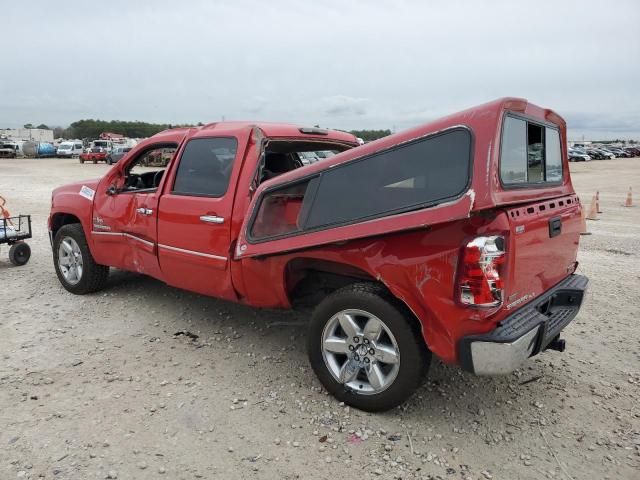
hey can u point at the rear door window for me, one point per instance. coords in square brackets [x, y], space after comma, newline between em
[530, 153]
[205, 167]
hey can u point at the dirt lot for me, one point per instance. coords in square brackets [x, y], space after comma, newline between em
[100, 387]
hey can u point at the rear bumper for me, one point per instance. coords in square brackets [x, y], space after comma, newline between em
[524, 333]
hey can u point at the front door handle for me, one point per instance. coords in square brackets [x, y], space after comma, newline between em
[211, 219]
[144, 211]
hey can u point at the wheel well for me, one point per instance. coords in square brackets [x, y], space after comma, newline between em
[309, 281]
[61, 219]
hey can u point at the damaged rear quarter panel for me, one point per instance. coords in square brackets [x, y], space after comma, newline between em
[419, 267]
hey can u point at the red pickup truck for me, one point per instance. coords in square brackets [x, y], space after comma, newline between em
[97, 152]
[457, 238]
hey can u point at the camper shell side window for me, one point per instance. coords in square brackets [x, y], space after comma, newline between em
[414, 175]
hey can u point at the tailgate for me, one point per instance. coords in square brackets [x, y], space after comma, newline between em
[544, 246]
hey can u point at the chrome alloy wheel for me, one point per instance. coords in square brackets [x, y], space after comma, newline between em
[360, 351]
[70, 260]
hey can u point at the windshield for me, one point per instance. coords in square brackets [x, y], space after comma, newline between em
[65, 146]
[100, 144]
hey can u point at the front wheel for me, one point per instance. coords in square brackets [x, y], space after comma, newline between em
[76, 269]
[364, 350]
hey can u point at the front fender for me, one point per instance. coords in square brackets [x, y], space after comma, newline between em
[72, 202]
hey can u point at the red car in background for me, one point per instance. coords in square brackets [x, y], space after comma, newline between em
[97, 151]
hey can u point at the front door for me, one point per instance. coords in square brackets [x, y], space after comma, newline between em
[124, 218]
[194, 217]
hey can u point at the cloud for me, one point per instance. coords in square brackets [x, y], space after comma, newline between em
[622, 123]
[341, 105]
[256, 104]
[357, 64]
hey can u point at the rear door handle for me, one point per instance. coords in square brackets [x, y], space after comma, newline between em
[211, 219]
[144, 211]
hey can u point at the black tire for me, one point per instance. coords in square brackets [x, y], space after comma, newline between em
[19, 253]
[94, 276]
[415, 357]
[81, 160]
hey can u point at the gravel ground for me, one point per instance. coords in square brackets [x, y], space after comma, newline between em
[99, 386]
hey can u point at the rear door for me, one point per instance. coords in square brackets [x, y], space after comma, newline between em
[194, 217]
[544, 234]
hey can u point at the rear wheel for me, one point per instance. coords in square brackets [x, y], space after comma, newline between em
[81, 160]
[76, 269]
[364, 350]
[19, 253]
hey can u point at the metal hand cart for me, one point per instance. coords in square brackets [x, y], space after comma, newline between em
[14, 231]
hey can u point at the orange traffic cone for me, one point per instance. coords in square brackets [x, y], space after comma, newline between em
[598, 202]
[593, 210]
[629, 201]
[583, 223]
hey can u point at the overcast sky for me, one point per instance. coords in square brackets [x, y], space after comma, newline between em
[343, 64]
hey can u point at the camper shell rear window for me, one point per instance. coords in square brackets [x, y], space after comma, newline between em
[530, 153]
[417, 174]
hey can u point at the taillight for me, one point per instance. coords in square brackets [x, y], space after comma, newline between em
[479, 281]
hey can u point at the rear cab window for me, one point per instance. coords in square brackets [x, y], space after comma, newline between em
[414, 175]
[530, 153]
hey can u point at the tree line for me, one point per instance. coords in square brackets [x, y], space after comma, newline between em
[93, 128]
[369, 135]
[90, 128]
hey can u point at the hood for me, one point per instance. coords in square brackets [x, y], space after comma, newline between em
[76, 187]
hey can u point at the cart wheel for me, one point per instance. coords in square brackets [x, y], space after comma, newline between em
[81, 160]
[95, 161]
[19, 253]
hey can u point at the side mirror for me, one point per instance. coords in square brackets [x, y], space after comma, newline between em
[112, 190]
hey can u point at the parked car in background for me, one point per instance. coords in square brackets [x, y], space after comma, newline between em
[69, 149]
[576, 155]
[322, 154]
[595, 154]
[307, 158]
[116, 154]
[605, 153]
[8, 150]
[97, 152]
[617, 151]
[633, 151]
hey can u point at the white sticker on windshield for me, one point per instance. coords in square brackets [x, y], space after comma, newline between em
[87, 192]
